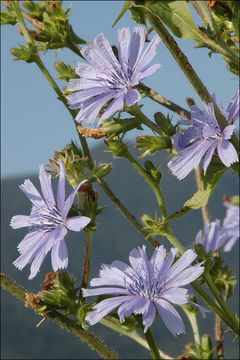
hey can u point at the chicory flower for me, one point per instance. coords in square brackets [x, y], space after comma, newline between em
[145, 286]
[202, 138]
[47, 223]
[107, 78]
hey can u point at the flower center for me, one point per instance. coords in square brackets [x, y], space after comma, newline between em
[45, 218]
[116, 79]
[145, 287]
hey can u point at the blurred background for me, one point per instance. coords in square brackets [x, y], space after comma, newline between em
[35, 123]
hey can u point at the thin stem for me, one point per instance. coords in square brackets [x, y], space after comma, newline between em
[62, 320]
[164, 101]
[219, 338]
[193, 321]
[20, 21]
[152, 344]
[209, 301]
[87, 259]
[143, 119]
[125, 212]
[134, 335]
[221, 302]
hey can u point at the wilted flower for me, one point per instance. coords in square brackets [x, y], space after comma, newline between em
[47, 223]
[145, 286]
[108, 78]
[231, 224]
[202, 138]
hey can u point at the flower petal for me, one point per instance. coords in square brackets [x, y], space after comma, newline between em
[104, 291]
[132, 97]
[227, 152]
[70, 199]
[124, 41]
[148, 54]
[208, 157]
[170, 317]
[137, 44]
[232, 112]
[31, 192]
[61, 186]
[46, 186]
[77, 223]
[115, 105]
[176, 295]
[59, 253]
[189, 158]
[105, 307]
[130, 306]
[149, 316]
[19, 221]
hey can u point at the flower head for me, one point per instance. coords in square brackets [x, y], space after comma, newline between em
[47, 223]
[202, 138]
[212, 238]
[215, 236]
[231, 224]
[145, 286]
[108, 78]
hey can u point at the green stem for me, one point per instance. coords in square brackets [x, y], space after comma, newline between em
[126, 213]
[87, 260]
[221, 302]
[143, 119]
[63, 321]
[20, 21]
[219, 338]
[134, 335]
[193, 321]
[152, 344]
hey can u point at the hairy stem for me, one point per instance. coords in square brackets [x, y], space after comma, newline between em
[164, 101]
[62, 320]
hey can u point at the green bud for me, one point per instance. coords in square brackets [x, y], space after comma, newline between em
[120, 126]
[149, 166]
[152, 144]
[152, 171]
[164, 124]
[206, 343]
[66, 72]
[118, 148]
[99, 171]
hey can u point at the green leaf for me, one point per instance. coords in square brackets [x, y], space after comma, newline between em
[208, 183]
[176, 15]
[125, 7]
[138, 15]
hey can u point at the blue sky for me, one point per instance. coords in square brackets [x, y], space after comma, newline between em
[35, 123]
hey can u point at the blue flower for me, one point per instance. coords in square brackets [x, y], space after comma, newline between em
[202, 138]
[212, 238]
[145, 286]
[215, 236]
[106, 78]
[47, 223]
[231, 225]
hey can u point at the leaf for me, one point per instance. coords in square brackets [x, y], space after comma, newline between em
[208, 183]
[125, 7]
[177, 16]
